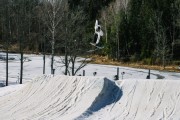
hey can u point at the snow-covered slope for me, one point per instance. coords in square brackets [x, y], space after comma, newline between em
[92, 98]
[60, 97]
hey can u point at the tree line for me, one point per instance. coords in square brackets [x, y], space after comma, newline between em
[146, 30]
[143, 30]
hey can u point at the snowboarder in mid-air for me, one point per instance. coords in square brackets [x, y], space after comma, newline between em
[97, 35]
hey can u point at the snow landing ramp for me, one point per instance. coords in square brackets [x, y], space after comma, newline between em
[144, 100]
[59, 98]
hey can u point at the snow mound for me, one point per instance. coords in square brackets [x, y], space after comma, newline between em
[59, 97]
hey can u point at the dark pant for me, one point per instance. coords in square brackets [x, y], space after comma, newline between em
[95, 38]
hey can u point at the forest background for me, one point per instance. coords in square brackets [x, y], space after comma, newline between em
[134, 30]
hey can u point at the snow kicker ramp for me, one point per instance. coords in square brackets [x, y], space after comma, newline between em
[59, 98]
[92, 98]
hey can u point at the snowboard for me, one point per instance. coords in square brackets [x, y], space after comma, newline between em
[99, 47]
[96, 48]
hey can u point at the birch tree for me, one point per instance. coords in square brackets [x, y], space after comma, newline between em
[162, 48]
[52, 14]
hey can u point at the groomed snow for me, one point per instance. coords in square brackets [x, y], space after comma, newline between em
[92, 98]
[60, 97]
[144, 100]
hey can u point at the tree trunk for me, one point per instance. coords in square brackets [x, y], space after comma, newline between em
[66, 59]
[7, 49]
[44, 50]
[52, 58]
[7, 65]
[21, 63]
[21, 69]
[53, 43]
[44, 63]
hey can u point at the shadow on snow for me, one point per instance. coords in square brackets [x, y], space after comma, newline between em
[110, 94]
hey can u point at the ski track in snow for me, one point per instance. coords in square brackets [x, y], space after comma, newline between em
[59, 97]
[92, 98]
[145, 100]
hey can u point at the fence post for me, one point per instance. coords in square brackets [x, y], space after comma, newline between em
[148, 76]
[83, 72]
[117, 73]
[53, 72]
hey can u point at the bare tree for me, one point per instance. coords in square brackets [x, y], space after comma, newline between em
[6, 30]
[7, 42]
[175, 16]
[112, 17]
[74, 42]
[52, 15]
[162, 48]
[21, 12]
[172, 32]
[5, 24]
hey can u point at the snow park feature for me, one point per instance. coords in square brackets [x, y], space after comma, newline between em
[92, 98]
[131, 97]
[59, 97]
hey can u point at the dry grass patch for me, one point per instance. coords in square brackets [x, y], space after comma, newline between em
[104, 60]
